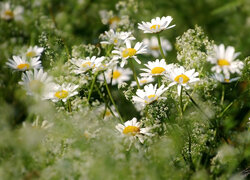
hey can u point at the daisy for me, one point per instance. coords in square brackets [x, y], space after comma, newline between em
[108, 18]
[116, 38]
[182, 78]
[83, 65]
[62, 92]
[118, 75]
[221, 78]
[34, 51]
[129, 52]
[156, 68]
[224, 60]
[133, 130]
[8, 13]
[142, 81]
[156, 25]
[21, 64]
[154, 48]
[148, 95]
[36, 82]
[107, 114]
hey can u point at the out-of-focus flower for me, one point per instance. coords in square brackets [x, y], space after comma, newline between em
[22, 64]
[142, 81]
[129, 52]
[156, 25]
[221, 78]
[224, 60]
[132, 129]
[34, 51]
[7, 12]
[153, 46]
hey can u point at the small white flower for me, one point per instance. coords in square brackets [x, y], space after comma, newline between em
[154, 48]
[221, 78]
[224, 60]
[37, 82]
[156, 68]
[129, 52]
[83, 65]
[142, 81]
[107, 114]
[21, 64]
[119, 75]
[156, 25]
[132, 129]
[116, 38]
[148, 95]
[34, 52]
[182, 78]
[108, 18]
[8, 13]
[61, 92]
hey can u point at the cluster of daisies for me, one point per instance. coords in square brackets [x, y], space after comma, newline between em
[117, 66]
[37, 82]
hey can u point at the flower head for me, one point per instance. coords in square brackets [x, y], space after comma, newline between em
[34, 52]
[133, 130]
[36, 82]
[61, 92]
[21, 64]
[7, 12]
[129, 52]
[142, 81]
[179, 76]
[153, 46]
[156, 68]
[156, 25]
[148, 95]
[221, 78]
[224, 60]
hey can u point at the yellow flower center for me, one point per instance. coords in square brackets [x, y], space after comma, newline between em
[114, 19]
[116, 74]
[86, 64]
[157, 70]
[132, 130]
[61, 94]
[143, 81]
[156, 26]
[108, 113]
[31, 54]
[23, 66]
[226, 80]
[150, 98]
[181, 79]
[9, 13]
[128, 52]
[115, 41]
[223, 62]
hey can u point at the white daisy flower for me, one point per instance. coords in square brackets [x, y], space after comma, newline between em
[156, 68]
[142, 81]
[37, 82]
[132, 129]
[221, 78]
[83, 65]
[148, 95]
[116, 38]
[224, 60]
[8, 13]
[107, 114]
[154, 48]
[21, 64]
[182, 78]
[34, 51]
[119, 75]
[61, 92]
[108, 18]
[129, 52]
[156, 25]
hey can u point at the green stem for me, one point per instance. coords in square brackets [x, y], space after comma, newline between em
[69, 105]
[181, 103]
[92, 86]
[134, 72]
[226, 109]
[159, 81]
[111, 98]
[222, 95]
[159, 42]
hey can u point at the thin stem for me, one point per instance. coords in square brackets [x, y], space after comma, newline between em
[159, 42]
[111, 98]
[181, 103]
[222, 95]
[92, 86]
[159, 81]
[226, 109]
[134, 72]
[69, 105]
